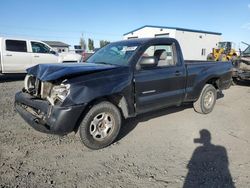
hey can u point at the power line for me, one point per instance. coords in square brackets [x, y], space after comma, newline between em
[49, 36]
[60, 31]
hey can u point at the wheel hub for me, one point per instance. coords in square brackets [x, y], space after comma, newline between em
[209, 99]
[101, 126]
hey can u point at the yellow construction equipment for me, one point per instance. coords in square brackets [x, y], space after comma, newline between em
[224, 52]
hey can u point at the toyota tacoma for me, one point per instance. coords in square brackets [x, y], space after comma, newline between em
[121, 80]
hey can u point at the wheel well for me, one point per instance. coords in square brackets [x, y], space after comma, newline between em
[214, 82]
[118, 100]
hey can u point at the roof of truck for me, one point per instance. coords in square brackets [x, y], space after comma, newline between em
[143, 40]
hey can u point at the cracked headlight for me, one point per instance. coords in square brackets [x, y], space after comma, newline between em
[59, 92]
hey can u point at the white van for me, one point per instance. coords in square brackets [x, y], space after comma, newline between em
[16, 55]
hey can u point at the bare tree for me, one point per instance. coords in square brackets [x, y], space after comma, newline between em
[91, 44]
[103, 43]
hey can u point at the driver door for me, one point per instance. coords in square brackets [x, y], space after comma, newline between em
[41, 54]
[162, 85]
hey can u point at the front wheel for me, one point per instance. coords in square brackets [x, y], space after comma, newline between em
[100, 126]
[206, 100]
[210, 57]
[223, 57]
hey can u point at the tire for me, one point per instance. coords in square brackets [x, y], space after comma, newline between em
[210, 57]
[223, 57]
[205, 104]
[100, 126]
[235, 81]
[234, 58]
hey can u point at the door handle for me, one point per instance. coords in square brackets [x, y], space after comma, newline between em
[177, 73]
[36, 56]
[9, 55]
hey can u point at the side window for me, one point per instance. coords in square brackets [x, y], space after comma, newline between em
[164, 54]
[163, 35]
[16, 45]
[38, 47]
[203, 52]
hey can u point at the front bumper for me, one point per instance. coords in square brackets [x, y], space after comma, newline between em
[46, 118]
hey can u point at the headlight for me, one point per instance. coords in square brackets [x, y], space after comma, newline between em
[59, 92]
[29, 83]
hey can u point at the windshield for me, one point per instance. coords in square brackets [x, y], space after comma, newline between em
[224, 45]
[117, 53]
[247, 51]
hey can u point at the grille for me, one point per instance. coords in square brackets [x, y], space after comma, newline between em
[45, 89]
[37, 87]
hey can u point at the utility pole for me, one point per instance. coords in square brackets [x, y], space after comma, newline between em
[82, 42]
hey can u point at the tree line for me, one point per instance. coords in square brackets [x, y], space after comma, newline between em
[91, 45]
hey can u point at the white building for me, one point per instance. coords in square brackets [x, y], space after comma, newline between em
[195, 44]
[58, 46]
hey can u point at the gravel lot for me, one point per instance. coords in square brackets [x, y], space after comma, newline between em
[154, 150]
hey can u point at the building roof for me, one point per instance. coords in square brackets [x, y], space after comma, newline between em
[176, 28]
[56, 44]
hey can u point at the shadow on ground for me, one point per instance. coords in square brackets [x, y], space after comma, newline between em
[11, 77]
[208, 166]
[243, 83]
[131, 123]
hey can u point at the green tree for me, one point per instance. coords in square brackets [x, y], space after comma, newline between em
[103, 43]
[82, 43]
[91, 44]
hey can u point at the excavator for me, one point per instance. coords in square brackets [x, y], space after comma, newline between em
[224, 52]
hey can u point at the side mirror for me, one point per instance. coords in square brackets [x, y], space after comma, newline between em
[53, 52]
[148, 62]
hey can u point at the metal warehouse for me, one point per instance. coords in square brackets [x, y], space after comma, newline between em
[195, 44]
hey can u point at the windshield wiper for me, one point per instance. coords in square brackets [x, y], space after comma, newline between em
[105, 63]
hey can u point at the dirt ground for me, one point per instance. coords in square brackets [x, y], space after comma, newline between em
[159, 149]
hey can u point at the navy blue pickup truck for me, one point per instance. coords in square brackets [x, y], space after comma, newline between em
[121, 80]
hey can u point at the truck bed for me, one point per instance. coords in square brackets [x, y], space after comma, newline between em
[199, 71]
[201, 61]
[216, 67]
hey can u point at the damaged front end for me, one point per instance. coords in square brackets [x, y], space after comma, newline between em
[41, 105]
[53, 92]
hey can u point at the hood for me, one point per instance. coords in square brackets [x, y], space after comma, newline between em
[49, 72]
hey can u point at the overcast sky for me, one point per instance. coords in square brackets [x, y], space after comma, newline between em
[67, 20]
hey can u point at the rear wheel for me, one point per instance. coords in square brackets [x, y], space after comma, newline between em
[235, 81]
[100, 125]
[207, 100]
[234, 58]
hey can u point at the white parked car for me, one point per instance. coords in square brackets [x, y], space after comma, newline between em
[16, 55]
